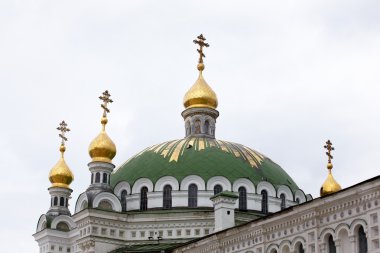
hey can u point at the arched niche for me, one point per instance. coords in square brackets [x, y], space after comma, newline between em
[218, 180]
[166, 180]
[141, 182]
[111, 198]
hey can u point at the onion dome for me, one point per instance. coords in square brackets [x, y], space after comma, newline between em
[60, 175]
[200, 94]
[204, 157]
[102, 148]
[330, 185]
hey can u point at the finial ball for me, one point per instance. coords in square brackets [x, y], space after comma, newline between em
[62, 148]
[201, 66]
[329, 166]
[104, 120]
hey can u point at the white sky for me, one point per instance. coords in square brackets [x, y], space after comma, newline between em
[288, 75]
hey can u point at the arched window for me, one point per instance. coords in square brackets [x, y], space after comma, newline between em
[297, 200]
[62, 201]
[167, 198]
[300, 248]
[363, 246]
[217, 189]
[283, 201]
[67, 203]
[55, 201]
[207, 127]
[331, 243]
[144, 199]
[242, 198]
[92, 178]
[105, 178]
[105, 205]
[193, 195]
[97, 177]
[264, 201]
[62, 226]
[124, 200]
[197, 126]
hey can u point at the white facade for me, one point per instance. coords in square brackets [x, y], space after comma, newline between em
[306, 226]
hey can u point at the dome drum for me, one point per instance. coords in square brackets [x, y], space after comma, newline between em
[200, 122]
[205, 190]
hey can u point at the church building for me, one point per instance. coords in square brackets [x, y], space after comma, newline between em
[201, 194]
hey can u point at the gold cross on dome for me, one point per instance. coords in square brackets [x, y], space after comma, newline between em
[106, 99]
[63, 129]
[201, 42]
[329, 148]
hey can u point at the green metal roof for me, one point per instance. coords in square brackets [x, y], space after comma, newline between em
[204, 157]
[147, 248]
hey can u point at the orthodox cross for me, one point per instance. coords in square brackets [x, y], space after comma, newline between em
[106, 99]
[201, 42]
[63, 129]
[329, 148]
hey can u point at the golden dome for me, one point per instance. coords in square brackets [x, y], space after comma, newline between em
[330, 185]
[60, 175]
[200, 94]
[102, 148]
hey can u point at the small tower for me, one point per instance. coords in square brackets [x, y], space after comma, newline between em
[200, 102]
[60, 176]
[330, 185]
[224, 210]
[102, 150]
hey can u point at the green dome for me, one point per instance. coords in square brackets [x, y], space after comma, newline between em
[204, 157]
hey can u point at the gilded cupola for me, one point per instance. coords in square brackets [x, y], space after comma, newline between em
[330, 185]
[102, 148]
[60, 175]
[200, 94]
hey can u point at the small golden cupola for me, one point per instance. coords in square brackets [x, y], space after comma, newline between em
[102, 148]
[330, 185]
[200, 94]
[60, 175]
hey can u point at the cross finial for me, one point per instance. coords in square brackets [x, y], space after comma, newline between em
[63, 129]
[329, 148]
[106, 99]
[201, 42]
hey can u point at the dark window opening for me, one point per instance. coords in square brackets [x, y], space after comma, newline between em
[283, 201]
[97, 177]
[363, 246]
[193, 195]
[331, 243]
[242, 198]
[124, 194]
[167, 198]
[105, 178]
[144, 199]
[218, 189]
[264, 201]
[62, 201]
[300, 249]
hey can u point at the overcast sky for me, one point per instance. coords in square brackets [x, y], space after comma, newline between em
[288, 75]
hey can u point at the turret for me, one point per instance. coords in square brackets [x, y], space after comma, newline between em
[330, 185]
[102, 150]
[200, 102]
[60, 176]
